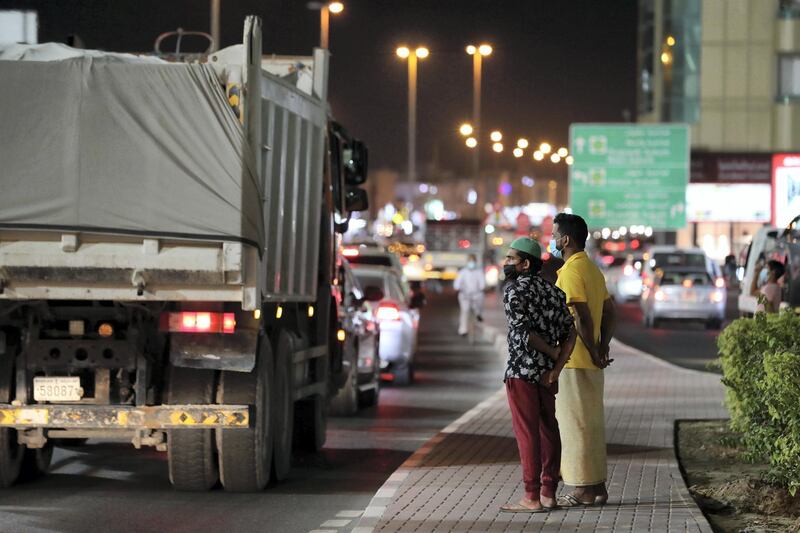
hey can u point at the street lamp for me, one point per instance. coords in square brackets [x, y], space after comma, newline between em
[538, 155]
[518, 152]
[405, 52]
[563, 152]
[497, 147]
[478, 52]
[466, 129]
[325, 10]
[555, 158]
[569, 160]
[522, 143]
[545, 148]
[496, 136]
[471, 142]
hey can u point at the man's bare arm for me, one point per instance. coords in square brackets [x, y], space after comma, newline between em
[607, 328]
[565, 350]
[539, 344]
[585, 327]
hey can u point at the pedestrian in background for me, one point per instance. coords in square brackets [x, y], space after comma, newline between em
[765, 285]
[470, 284]
[580, 403]
[540, 339]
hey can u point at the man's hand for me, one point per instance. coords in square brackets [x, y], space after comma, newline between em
[603, 352]
[550, 377]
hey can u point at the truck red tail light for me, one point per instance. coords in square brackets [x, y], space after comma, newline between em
[388, 311]
[198, 322]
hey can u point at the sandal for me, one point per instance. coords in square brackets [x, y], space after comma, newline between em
[601, 500]
[570, 500]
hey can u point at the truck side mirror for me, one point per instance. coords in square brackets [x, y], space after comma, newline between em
[373, 294]
[355, 163]
[356, 199]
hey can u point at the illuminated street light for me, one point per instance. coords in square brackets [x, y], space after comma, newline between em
[325, 11]
[404, 52]
[555, 158]
[522, 143]
[496, 136]
[538, 155]
[477, 52]
[518, 152]
[497, 147]
[471, 142]
[563, 152]
[569, 160]
[485, 50]
[545, 148]
[471, 50]
[670, 40]
[466, 129]
[336, 7]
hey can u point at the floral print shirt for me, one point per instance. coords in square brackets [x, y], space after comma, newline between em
[533, 304]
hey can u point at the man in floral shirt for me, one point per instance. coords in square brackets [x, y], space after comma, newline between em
[541, 336]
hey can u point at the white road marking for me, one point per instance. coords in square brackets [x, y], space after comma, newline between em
[349, 514]
[335, 523]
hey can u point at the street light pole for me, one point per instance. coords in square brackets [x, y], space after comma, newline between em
[412, 120]
[324, 26]
[477, 53]
[215, 33]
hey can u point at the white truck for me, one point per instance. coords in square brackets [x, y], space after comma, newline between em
[167, 251]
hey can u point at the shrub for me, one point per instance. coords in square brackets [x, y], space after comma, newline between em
[760, 361]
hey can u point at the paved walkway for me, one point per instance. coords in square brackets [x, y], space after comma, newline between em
[459, 479]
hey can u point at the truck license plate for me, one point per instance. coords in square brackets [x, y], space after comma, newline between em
[57, 389]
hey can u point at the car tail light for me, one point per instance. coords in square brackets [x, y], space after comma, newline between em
[198, 322]
[350, 252]
[719, 283]
[717, 297]
[628, 270]
[464, 244]
[388, 311]
[660, 296]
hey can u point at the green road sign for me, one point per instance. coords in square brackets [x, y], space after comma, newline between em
[625, 175]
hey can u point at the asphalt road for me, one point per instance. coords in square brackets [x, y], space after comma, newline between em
[105, 486]
[686, 344]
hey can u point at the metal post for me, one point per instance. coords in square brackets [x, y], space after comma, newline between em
[324, 26]
[476, 119]
[215, 33]
[412, 121]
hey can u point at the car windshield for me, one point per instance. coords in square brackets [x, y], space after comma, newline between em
[377, 260]
[687, 279]
[678, 259]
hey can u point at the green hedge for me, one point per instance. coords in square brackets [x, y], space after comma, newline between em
[760, 361]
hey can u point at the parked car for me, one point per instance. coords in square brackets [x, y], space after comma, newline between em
[377, 256]
[624, 277]
[684, 294]
[398, 318]
[359, 335]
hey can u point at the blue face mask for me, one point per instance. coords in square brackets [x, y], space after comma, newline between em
[762, 277]
[554, 251]
[471, 265]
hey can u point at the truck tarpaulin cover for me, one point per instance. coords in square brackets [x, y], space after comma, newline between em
[105, 143]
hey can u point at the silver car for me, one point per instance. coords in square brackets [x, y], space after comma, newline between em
[683, 294]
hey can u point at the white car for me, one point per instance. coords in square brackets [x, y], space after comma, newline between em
[624, 277]
[363, 255]
[683, 294]
[398, 317]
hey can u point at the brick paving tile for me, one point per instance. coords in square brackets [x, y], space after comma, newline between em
[458, 481]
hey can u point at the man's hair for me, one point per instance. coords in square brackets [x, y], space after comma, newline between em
[536, 262]
[777, 267]
[574, 227]
[472, 256]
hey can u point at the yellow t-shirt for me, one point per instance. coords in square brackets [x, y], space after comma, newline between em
[582, 281]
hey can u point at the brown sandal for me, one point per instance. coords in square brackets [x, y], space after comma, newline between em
[570, 500]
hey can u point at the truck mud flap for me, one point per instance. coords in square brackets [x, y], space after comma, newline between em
[236, 352]
[125, 417]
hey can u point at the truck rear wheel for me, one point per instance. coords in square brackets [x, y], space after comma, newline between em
[36, 462]
[11, 455]
[191, 453]
[245, 455]
[311, 422]
[283, 404]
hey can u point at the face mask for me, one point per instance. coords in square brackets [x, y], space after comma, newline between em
[510, 271]
[554, 251]
[471, 265]
[763, 276]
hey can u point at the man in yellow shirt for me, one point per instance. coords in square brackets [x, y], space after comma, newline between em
[579, 404]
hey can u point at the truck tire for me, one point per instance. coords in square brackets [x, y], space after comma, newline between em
[36, 462]
[369, 398]
[283, 406]
[11, 455]
[311, 423]
[245, 455]
[191, 452]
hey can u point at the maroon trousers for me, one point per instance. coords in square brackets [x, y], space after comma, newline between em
[533, 416]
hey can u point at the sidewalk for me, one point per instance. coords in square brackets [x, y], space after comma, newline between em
[459, 479]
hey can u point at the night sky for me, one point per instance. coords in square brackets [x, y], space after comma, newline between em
[554, 62]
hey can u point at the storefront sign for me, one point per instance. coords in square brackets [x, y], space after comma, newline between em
[626, 175]
[737, 202]
[731, 167]
[785, 188]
